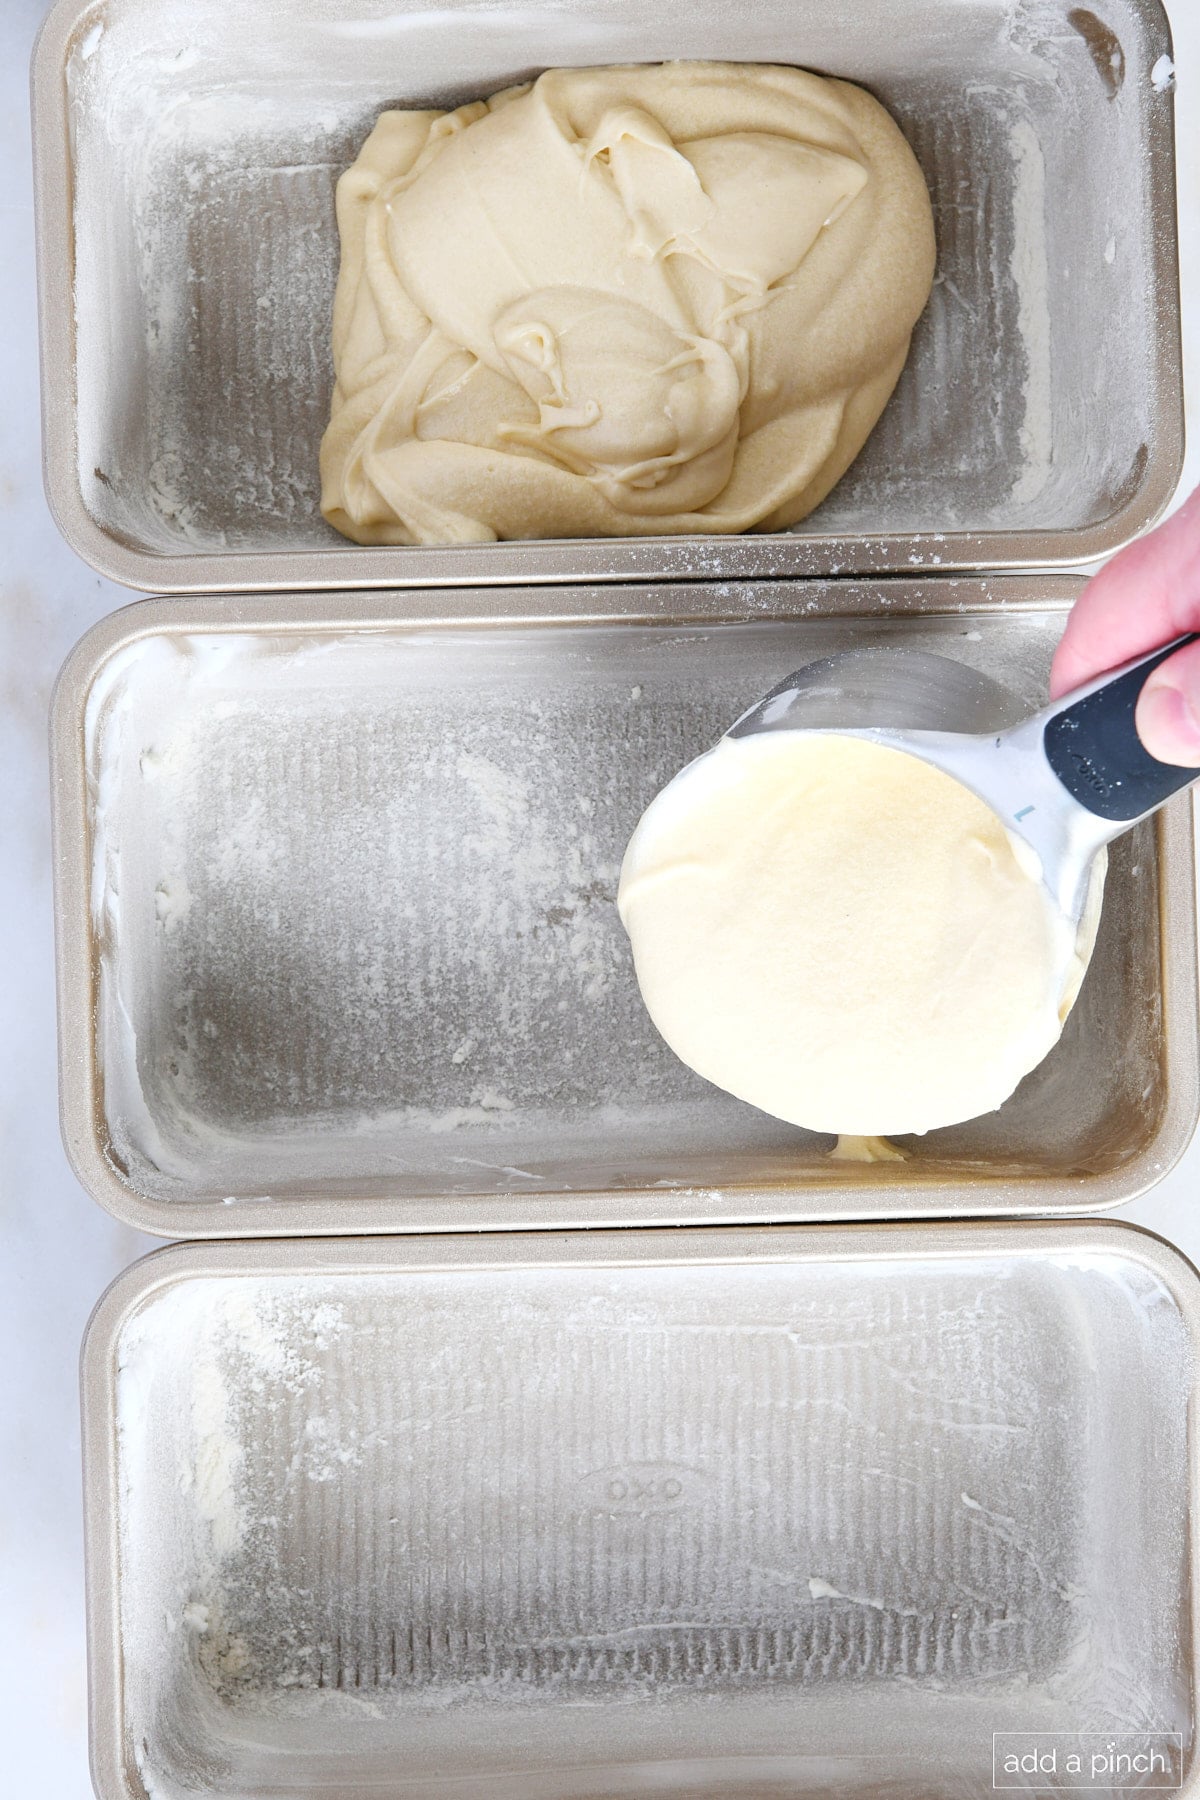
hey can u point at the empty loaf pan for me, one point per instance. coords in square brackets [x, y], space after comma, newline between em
[339, 948]
[759, 1514]
[186, 162]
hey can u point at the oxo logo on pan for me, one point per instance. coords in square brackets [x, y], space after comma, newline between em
[641, 1487]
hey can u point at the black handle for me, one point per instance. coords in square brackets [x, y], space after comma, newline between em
[1093, 746]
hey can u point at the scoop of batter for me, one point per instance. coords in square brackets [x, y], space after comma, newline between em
[652, 299]
[845, 936]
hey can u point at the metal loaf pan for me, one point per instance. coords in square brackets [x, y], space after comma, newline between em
[753, 1514]
[338, 947]
[186, 159]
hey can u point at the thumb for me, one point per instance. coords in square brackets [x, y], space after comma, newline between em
[1168, 709]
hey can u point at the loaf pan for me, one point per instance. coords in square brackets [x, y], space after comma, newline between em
[338, 947]
[741, 1515]
[186, 158]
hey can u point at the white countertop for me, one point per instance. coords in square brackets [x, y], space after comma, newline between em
[60, 1250]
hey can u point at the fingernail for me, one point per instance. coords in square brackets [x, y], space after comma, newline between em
[1168, 726]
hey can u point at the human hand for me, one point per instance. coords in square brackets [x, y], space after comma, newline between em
[1148, 594]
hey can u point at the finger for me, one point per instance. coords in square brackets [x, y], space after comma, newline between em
[1148, 594]
[1168, 709]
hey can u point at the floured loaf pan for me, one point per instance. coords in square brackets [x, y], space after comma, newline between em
[186, 161]
[339, 948]
[706, 1514]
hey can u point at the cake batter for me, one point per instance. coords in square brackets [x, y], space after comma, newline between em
[632, 300]
[845, 936]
